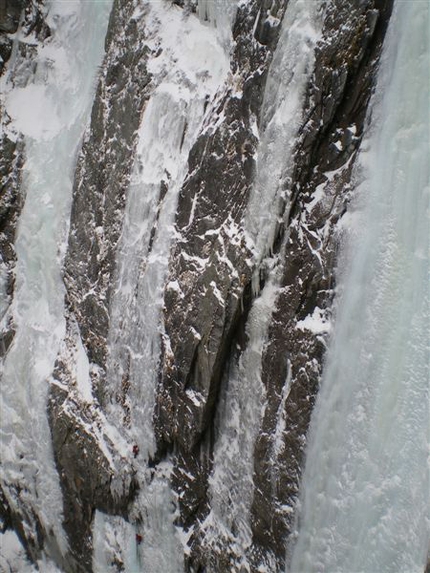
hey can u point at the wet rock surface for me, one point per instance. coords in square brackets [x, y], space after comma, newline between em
[10, 13]
[11, 200]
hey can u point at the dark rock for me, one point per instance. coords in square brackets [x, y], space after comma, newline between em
[31, 15]
[5, 51]
[213, 268]
[11, 201]
[10, 13]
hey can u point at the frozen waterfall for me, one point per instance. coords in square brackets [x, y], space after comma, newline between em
[49, 104]
[365, 491]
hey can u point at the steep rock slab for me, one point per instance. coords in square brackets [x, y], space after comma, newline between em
[338, 97]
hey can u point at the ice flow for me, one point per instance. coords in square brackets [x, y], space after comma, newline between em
[365, 491]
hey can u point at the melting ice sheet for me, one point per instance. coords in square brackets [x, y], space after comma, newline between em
[365, 491]
[50, 104]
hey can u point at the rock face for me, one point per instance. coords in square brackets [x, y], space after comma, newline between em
[213, 281]
[203, 316]
[101, 180]
[86, 477]
[10, 13]
[211, 268]
[10, 205]
[102, 176]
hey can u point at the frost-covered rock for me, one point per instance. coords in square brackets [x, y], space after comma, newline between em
[206, 202]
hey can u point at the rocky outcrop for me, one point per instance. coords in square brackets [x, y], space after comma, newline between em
[28, 13]
[88, 478]
[10, 13]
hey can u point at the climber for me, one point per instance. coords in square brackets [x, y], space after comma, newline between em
[139, 538]
[135, 450]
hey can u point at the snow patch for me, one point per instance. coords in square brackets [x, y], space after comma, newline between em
[317, 322]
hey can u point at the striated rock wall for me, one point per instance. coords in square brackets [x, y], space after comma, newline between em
[214, 277]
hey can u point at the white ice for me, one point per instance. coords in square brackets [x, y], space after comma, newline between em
[14, 560]
[240, 410]
[187, 73]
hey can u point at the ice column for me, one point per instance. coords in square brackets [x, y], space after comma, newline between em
[281, 116]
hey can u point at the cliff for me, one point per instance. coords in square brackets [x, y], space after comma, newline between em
[204, 220]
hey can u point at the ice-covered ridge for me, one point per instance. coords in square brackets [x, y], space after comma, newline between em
[280, 118]
[365, 503]
[50, 104]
